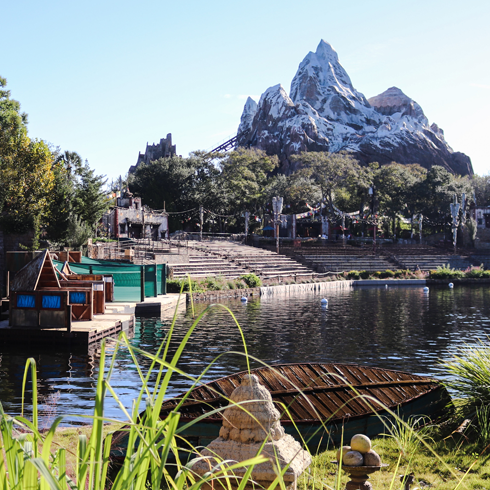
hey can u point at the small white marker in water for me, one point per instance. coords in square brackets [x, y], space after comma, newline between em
[426, 289]
[243, 299]
[324, 302]
[451, 285]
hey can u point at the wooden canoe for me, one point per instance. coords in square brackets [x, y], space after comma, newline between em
[323, 401]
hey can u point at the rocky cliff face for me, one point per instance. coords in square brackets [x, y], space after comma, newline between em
[324, 112]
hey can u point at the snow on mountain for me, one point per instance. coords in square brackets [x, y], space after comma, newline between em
[326, 113]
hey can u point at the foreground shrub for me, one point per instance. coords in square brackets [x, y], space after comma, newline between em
[364, 274]
[469, 376]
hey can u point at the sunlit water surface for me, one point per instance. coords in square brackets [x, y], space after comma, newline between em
[398, 328]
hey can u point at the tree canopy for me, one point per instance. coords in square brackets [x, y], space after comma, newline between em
[26, 174]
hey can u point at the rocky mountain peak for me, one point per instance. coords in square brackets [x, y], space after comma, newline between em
[322, 83]
[394, 102]
[324, 112]
[249, 111]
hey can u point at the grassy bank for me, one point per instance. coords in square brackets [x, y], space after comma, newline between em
[456, 458]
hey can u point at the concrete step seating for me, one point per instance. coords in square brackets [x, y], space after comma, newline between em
[203, 265]
[335, 263]
[264, 263]
[429, 262]
[479, 259]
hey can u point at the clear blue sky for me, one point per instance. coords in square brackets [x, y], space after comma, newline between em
[103, 78]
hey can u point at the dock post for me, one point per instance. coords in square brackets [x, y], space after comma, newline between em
[142, 287]
[68, 320]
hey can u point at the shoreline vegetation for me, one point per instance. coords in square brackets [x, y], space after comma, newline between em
[448, 455]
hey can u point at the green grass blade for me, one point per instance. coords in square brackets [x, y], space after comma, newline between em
[41, 466]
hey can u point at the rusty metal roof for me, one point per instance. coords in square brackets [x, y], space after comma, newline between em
[312, 391]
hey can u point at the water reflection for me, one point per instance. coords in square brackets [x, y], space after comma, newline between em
[397, 328]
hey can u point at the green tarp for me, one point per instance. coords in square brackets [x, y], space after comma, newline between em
[127, 277]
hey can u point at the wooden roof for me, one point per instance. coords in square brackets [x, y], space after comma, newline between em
[312, 391]
[37, 274]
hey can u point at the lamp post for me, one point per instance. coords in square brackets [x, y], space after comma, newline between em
[277, 208]
[372, 190]
[343, 229]
[201, 216]
[454, 213]
[247, 217]
[421, 218]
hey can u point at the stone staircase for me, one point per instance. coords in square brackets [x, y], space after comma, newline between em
[232, 259]
[202, 264]
[341, 263]
[431, 262]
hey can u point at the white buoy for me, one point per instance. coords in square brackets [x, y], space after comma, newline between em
[451, 285]
[324, 302]
[243, 299]
[426, 289]
[386, 286]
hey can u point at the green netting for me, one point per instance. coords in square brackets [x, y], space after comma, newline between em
[150, 280]
[127, 277]
[162, 280]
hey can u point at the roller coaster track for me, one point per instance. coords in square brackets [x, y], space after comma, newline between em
[230, 144]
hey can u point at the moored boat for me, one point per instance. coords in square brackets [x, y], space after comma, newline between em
[319, 402]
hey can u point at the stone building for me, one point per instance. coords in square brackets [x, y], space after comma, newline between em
[129, 219]
[164, 149]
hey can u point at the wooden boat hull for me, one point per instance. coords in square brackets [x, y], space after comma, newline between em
[325, 402]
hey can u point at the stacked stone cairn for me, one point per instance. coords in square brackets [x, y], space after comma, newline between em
[249, 421]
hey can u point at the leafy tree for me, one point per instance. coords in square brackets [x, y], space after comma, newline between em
[395, 185]
[77, 202]
[436, 193]
[481, 186]
[329, 171]
[26, 175]
[91, 201]
[165, 180]
[244, 176]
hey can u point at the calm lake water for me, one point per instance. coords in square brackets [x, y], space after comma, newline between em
[399, 328]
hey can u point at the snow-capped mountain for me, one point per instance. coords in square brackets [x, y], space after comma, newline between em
[324, 112]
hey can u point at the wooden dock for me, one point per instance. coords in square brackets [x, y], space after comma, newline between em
[85, 336]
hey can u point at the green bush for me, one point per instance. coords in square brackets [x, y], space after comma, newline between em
[232, 285]
[251, 280]
[175, 286]
[386, 274]
[474, 272]
[213, 284]
[353, 275]
[377, 274]
[364, 274]
[445, 272]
